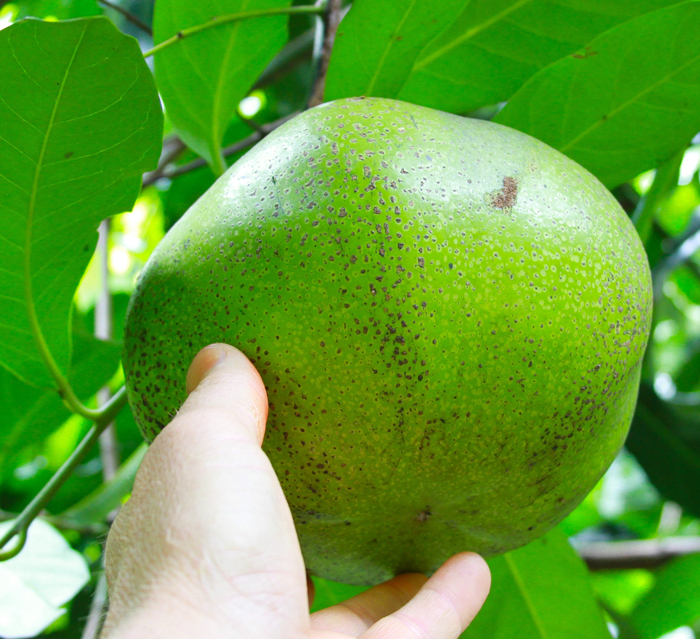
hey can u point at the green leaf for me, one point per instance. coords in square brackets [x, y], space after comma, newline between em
[496, 45]
[667, 446]
[378, 42]
[674, 600]
[34, 584]
[95, 507]
[30, 414]
[203, 78]
[80, 122]
[623, 104]
[330, 593]
[688, 379]
[541, 591]
[665, 181]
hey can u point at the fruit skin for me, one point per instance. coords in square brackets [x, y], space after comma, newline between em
[448, 314]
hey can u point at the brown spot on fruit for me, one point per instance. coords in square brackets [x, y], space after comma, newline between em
[507, 196]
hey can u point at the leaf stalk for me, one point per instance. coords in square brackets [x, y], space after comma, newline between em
[228, 19]
[46, 494]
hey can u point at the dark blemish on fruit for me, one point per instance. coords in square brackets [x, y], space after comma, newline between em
[424, 515]
[507, 196]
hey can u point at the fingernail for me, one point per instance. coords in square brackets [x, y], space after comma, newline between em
[209, 357]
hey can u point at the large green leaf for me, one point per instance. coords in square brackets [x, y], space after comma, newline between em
[378, 42]
[496, 45]
[674, 600]
[626, 102]
[30, 414]
[203, 78]
[667, 445]
[541, 591]
[80, 121]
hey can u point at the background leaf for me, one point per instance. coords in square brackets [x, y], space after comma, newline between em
[378, 42]
[541, 591]
[204, 77]
[30, 414]
[496, 45]
[95, 507]
[80, 121]
[642, 76]
[35, 583]
[674, 600]
[667, 445]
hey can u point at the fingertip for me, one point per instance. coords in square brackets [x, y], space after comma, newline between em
[472, 567]
[223, 379]
[203, 362]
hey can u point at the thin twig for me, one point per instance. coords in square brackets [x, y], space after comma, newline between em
[228, 19]
[644, 553]
[128, 15]
[331, 20]
[62, 523]
[292, 55]
[173, 148]
[241, 145]
[95, 619]
[46, 494]
[109, 450]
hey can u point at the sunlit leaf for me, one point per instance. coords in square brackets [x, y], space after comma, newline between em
[541, 591]
[35, 583]
[667, 446]
[496, 45]
[623, 104]
[378, 42]
[674, 600]
[203, 78]
[80, 121]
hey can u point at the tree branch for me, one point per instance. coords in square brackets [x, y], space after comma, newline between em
[128, 15]
[173, 148]
[241, 145]
[644, 553]
[331, 20]
[47, 493]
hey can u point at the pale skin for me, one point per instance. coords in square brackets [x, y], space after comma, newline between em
[206, 545]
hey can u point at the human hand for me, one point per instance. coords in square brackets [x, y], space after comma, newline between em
[206, 546]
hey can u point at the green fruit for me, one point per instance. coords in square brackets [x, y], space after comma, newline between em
[448, 314]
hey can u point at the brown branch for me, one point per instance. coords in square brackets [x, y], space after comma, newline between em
[643, 553]
[331, 20]
[129, 16]
[241, 145]
[173, 147]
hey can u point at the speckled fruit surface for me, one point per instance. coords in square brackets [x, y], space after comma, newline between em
[449, 317]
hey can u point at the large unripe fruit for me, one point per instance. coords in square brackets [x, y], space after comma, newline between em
[448, 314]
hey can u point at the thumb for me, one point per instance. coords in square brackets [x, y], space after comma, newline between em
[223, 385]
